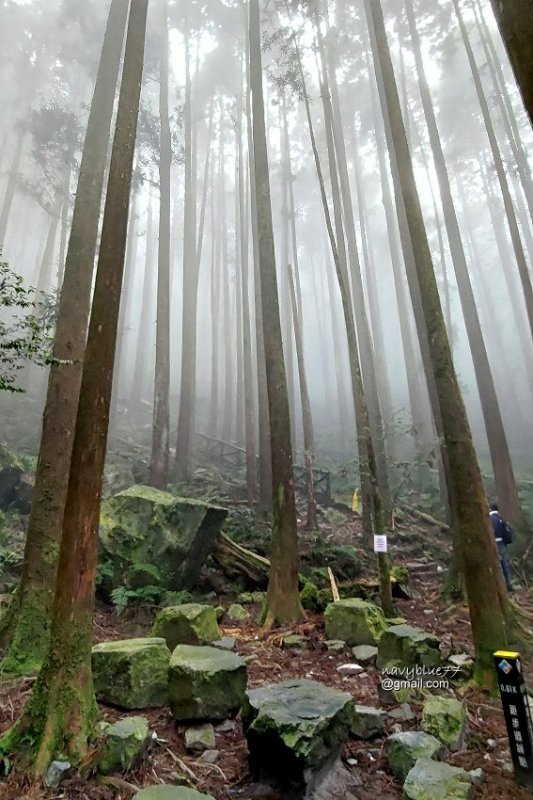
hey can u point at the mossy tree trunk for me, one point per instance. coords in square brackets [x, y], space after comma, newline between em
[26, 628]
[61, 711]
[488, 604]
[283, 601]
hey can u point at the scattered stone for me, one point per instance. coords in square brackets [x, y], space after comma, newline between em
[237, 613]
[251, 598]
[463, 663]
[295, 728]
[226, 643]
[191, 623]
[403, 713]
[210, 757]
[355, 621]
[433, 780]
[404, 646]
[392, 697]
[445, 718]
[125, 741]
[368, 722]
[492, 743]
[476, 776]
[365, 653]
[200, 738]
[174, 535]
[170, 793]
[333, 782]
[220, 611]
[132, 673]
[352, 762]
[335, 645]
[404, 749]
[55, 773]
[294, 640]
[205, 683]
[350, 669]
[228, 726]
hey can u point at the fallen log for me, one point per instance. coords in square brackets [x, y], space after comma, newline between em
[234, 559]
[427, 517]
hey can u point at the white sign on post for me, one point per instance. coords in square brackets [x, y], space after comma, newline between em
[380, 544]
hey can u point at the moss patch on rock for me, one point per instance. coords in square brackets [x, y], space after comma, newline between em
[132, 673]
[354, 621]
[190, 623]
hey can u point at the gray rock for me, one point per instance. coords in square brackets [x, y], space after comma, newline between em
[200, 738]
[190, 623]
[404, 749]
[170, 793]
[368, 722]
[226, 643]
[433, 780]
[294, 641]
[403, 713]
[295, 729]
[350, 669]
[354, 621]
[209, 757]
[237, 613]
[476, 776]
[445, 718]
[335, 645]
[404, 646]
[205, 683]
[365, 653]
[462, 666]
[132, 673]
[125, 741]
[56, 772]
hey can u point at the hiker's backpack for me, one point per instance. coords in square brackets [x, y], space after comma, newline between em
[507, 532]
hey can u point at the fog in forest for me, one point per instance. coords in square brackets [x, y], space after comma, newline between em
[49, 58]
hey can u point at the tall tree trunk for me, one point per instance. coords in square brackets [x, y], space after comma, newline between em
[145, 330]
[283, 601]
[61, 710]
[11, 188]
[27, 624]
[498, 447]
[159, 463]
[487, 599]
[516, 27]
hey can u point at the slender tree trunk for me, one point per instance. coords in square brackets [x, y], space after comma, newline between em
[489, 608]
[146, 324]
[499, 449]
[27, 624]
[516, 27]
[11, 188]
[61, 710]
[283, 601]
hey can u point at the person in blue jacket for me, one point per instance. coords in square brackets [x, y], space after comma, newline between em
[503, 535]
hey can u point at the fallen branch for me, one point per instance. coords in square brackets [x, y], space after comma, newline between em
[334, 588]
[427, 517]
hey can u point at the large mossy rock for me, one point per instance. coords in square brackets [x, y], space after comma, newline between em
[368, 722]
[404, 646]
[295, 729]
[205, 683]
[404, 749]
[445, 718]
[132, 673]
[170, 793]
[125, 742]
[151, 537]
[433, 780]
[190, 623]
[354, 621]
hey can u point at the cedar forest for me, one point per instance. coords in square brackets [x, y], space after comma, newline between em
[266, 358]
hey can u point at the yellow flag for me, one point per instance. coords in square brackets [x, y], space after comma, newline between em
[355, 502]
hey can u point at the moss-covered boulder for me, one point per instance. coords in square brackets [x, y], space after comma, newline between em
[404, 749]
[237, 613]
[125, 741]
[368, 722]
[151, 537]
[205, 683]
[295, 728]
[355, 621]
[433, 780]
[170, 793]
[132, 673]
[191, 623]
[445, 718]
[404, 646]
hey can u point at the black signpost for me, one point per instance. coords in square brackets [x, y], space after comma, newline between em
[517, 713]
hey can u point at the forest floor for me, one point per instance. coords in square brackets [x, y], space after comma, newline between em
[168, 761]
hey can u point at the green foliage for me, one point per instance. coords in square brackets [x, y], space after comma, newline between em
[25, 337]
[309, 597]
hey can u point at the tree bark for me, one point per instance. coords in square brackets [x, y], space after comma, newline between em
[515, 21]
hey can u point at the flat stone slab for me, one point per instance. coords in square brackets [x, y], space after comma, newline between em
[190, 623]
[445, 718]
[170, 793]
[200, 738]
[433, 780]
[365, 653]
[404, 749]
[295, 729]
[405, 646]
[132, 673]
[368, 722]
[125, 741]
[205, 683]
[355, 621]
